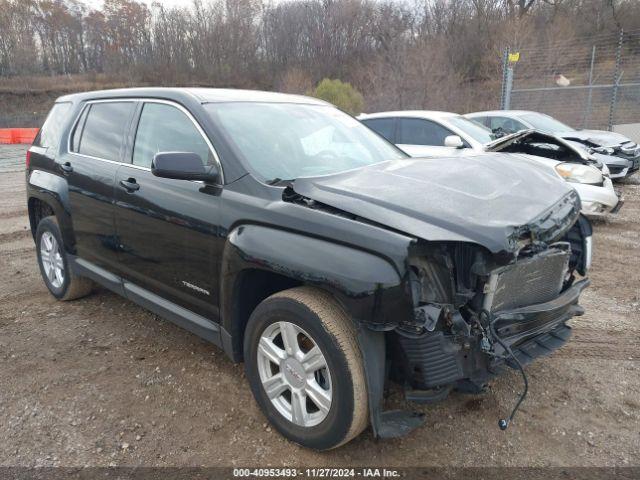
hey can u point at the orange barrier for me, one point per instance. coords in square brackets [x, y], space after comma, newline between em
[17, 135]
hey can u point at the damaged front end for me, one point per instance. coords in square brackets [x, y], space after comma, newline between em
[476, 312]
[496, 260]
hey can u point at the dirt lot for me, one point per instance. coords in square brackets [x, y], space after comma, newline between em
[100, 381]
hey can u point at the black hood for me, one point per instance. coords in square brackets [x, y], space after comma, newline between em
[490, 199]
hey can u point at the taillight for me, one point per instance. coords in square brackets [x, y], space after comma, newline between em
[28, 159]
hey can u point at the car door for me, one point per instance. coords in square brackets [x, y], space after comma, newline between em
[90, 163]
[423, 138]
[168, 229]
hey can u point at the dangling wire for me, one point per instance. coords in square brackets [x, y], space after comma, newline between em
[504, 423]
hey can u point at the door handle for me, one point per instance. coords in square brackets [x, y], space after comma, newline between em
[130, 185]
[66, 167]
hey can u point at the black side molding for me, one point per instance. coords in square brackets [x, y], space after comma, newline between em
[99, 275]
[182, 317]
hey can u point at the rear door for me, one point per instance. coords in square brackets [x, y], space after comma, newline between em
[168, 229]
[95, 151]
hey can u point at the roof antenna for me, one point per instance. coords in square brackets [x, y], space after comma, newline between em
[504, 423]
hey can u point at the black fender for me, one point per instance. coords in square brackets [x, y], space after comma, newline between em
[367, 285]
[53, 190]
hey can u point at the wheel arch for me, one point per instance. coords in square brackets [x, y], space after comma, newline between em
[259, 261]
[48, 194]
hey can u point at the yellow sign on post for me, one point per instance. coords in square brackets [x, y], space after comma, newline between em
[514, 57]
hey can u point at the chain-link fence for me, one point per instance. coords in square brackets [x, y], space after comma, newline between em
[594, 84]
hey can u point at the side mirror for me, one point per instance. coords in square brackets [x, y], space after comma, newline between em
[183, 166]
[453, 141]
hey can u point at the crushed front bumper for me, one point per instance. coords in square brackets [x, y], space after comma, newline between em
[532, 323]
[438, 362]
[598, 201]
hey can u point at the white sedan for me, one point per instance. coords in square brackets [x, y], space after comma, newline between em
[424, 133]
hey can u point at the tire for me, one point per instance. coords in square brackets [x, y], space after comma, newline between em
[319, 321]
[59, 279]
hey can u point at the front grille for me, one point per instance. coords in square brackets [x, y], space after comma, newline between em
[537, 279]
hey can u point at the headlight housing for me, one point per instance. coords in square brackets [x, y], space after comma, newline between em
[577, 173]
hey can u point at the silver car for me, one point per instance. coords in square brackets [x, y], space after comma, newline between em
[621, 155]
[423, 133]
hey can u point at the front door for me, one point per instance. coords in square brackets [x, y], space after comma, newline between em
[168, 229]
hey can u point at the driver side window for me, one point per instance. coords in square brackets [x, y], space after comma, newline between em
[164, 128]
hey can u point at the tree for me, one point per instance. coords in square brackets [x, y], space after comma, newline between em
[342, 95]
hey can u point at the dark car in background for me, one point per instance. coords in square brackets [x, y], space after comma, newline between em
[304, 244]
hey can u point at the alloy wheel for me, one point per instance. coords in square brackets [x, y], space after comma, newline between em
[51, 258]
[294, 374]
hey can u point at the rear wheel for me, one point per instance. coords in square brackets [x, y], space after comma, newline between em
[52, 259]
[305, 369]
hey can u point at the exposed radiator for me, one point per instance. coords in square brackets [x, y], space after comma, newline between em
[530, 281]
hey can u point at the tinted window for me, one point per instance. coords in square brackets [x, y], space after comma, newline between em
[507, 125]
[415, 131]
[164, 128]
[383, 126]
[49, 135]
[104, 129]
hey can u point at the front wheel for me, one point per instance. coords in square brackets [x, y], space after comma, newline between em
[305, 369]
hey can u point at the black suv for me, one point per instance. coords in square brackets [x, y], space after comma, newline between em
[307, 246]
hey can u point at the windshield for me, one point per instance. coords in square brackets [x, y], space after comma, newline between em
[476, 131]
[546, 123]
[284, 141]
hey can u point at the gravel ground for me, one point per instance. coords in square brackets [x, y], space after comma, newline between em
[100, 381]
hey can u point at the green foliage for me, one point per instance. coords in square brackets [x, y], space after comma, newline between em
[341, 94]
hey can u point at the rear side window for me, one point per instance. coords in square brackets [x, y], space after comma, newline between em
[101, 133]
[383, 126]
[415, 131]
[49, 134]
